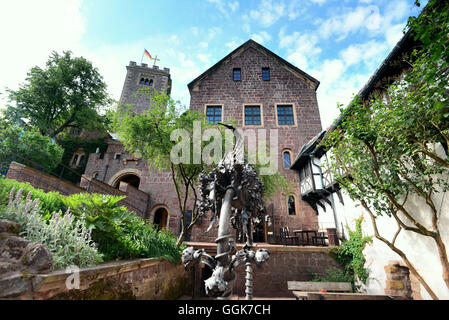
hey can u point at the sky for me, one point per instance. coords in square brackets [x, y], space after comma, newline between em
[339, 42]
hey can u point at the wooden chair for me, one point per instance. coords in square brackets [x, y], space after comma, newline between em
[286, 238]
[320, 239]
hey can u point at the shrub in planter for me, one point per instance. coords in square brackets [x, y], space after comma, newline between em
[67, 238]
[121, 234]
[49, 202]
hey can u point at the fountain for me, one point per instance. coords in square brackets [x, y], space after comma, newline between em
[234, 194]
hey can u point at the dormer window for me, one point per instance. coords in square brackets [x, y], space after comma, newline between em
[237, 74]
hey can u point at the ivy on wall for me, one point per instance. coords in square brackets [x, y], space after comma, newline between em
[71, 144]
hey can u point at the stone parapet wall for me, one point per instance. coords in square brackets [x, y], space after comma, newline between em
[286, 263]
[41, 180]
[134, 279]
[135, 200]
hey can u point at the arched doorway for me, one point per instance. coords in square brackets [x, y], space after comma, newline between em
[160, 218]
[130, 179]
[130, 176]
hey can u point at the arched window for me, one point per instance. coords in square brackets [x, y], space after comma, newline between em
[142, 81]
[95, 176]
[287, 159]
[147, 82]
[291, 205]
[75, 160]
[151, 82]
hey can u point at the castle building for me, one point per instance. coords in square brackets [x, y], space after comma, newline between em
[252, 85]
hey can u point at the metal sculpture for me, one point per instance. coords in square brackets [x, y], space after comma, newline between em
[234, 194]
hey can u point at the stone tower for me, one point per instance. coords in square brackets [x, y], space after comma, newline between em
[140, 77]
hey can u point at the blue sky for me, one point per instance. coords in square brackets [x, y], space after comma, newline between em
[340, 43]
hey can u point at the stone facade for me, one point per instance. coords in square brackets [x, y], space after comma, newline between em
[287, 85]
[19, 256]
[286, 263]
[141, 279]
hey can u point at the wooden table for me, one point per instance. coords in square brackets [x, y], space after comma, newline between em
[306, 232]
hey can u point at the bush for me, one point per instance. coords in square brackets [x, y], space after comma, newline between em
[49, 202]
[334, 275]
[120, 233]
[350, 254]
[38, 151]
[68, 239]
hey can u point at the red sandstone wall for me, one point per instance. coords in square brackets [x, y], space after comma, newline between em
[285, 264]
[283, 87]
[41, 180]
[135, 200]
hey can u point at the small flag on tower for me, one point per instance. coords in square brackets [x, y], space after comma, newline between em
[148, 54]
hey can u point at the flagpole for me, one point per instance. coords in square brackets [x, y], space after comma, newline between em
[141, 59]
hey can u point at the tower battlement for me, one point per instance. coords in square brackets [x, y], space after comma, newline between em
[143, 77]
[145, 66]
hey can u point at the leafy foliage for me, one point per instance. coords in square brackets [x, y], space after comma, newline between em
[120, 234]
[150, 135]
[333, 275]
[68, 92]
[350, 253]
[71, 144]
[49, 202]
[68, 239]
[29, 147]
[394, 147]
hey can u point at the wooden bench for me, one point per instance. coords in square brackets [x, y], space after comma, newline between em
[310, 290]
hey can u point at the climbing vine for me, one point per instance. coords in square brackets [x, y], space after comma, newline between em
[350, 254]
[70, 145]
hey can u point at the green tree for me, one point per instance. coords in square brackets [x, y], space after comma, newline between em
[68, 92]
[152, 135]
[27, 146]
[386, 151]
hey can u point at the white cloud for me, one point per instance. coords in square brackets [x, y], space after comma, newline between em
[301, 48]
[351, 21]
[232, 44]
[213, 32]
[268, 12]
[394, 34]
[261, 37]
[224, 6]
[30, 31]
[233, 5]
[367, 52]
[320, 2]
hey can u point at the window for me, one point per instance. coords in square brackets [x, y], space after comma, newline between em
[252, 115]
[117, 156]
[285, 115]
[266, 74]
[142, 81]
[291, 206]
[305, 171]
[287, 160]
[151, 82]
[147, 82]
[95, 175]
[75, 160]
[213, 114]
[237, 74]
